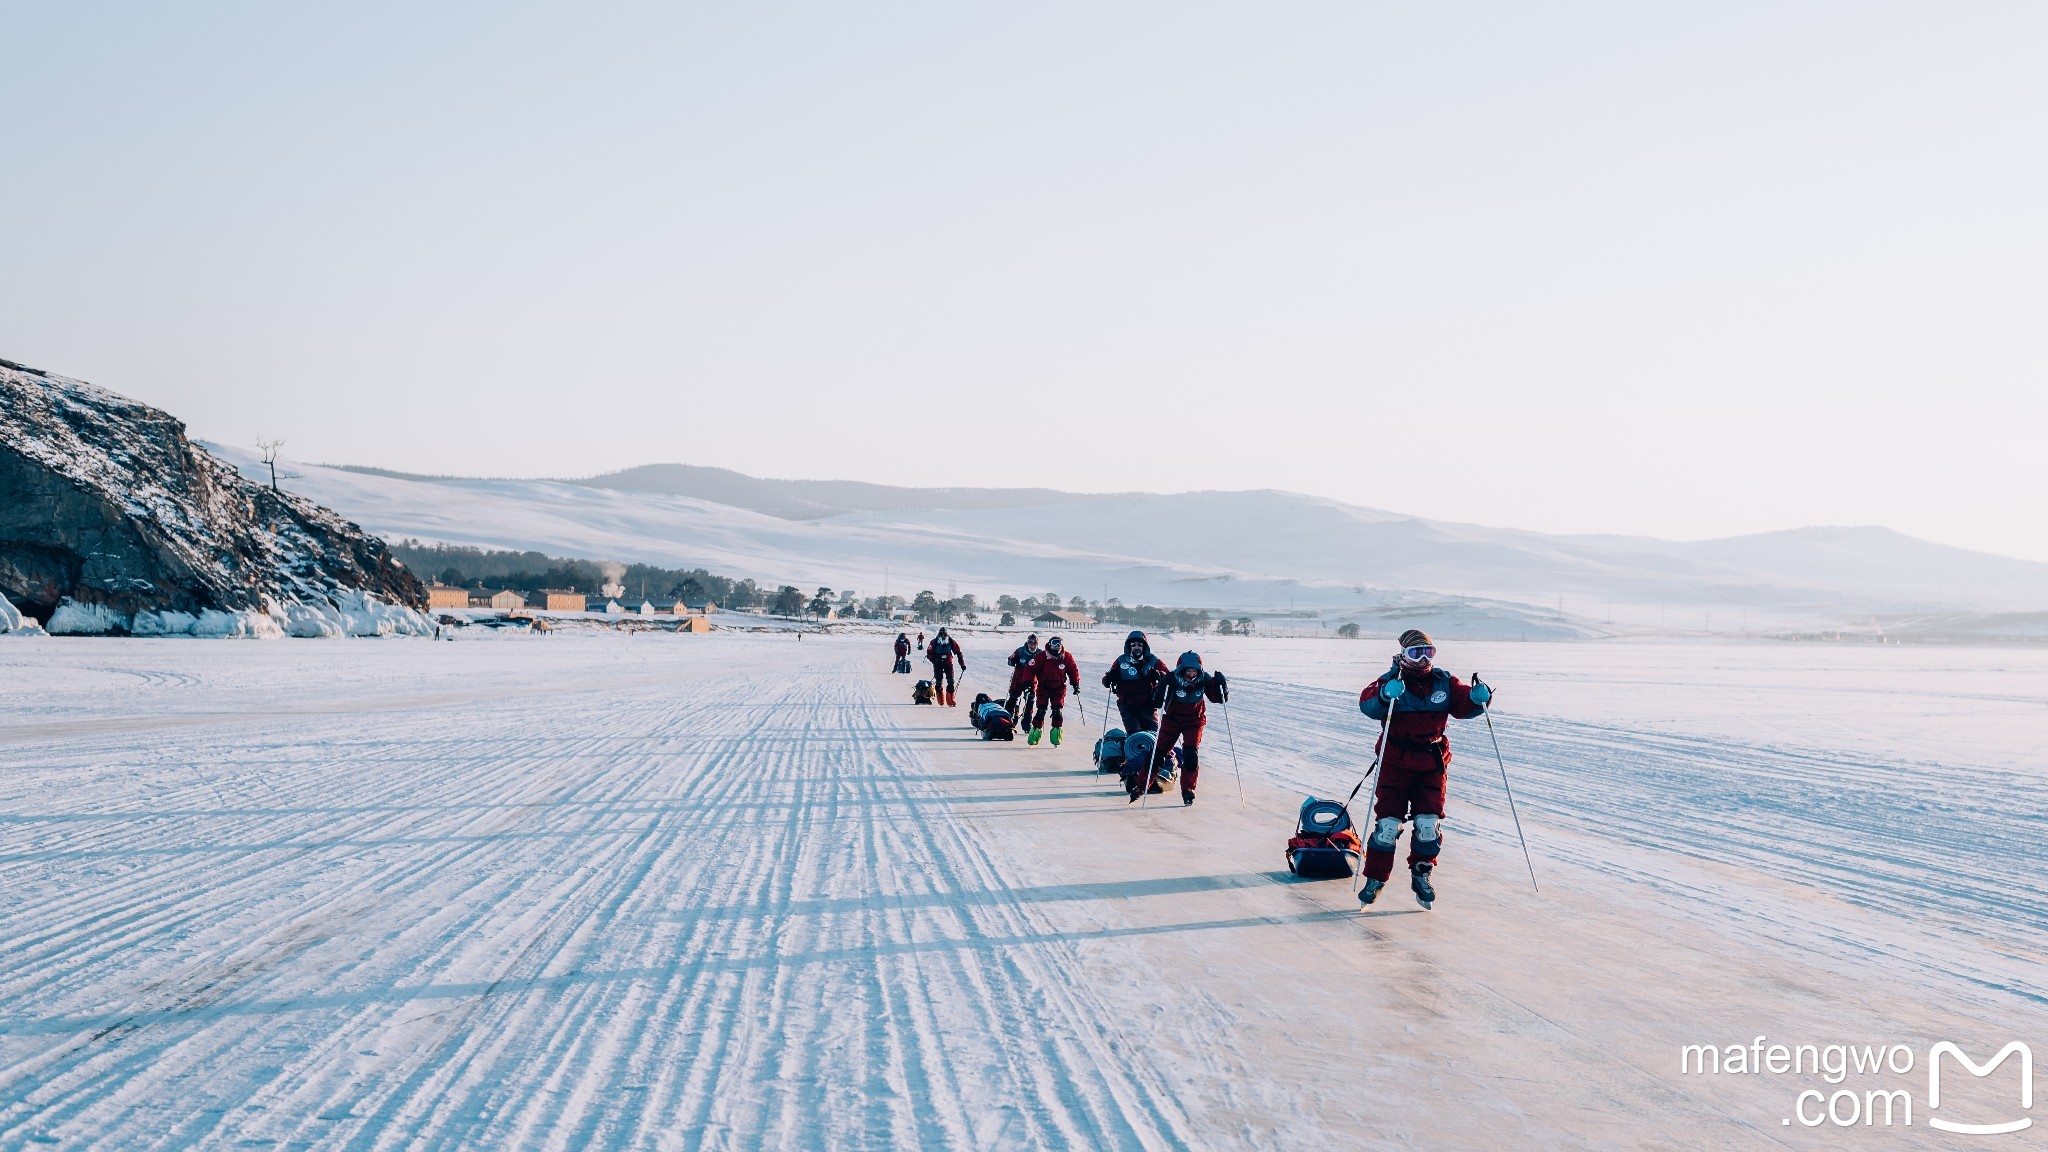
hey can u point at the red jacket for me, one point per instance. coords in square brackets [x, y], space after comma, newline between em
[1429, 702]
[1054, 673]
[945, 650]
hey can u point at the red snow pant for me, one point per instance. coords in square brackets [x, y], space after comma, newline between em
[1189, 733]
[1405, 791]
[1050, 698]
[1138, 717]
[942, 678]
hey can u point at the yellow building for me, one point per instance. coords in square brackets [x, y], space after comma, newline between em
[556, 600]
[442, 596]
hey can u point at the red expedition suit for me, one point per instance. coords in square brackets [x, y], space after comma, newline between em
[1185, 712]
[1414, 765]
[944, 653]
[1050, 673]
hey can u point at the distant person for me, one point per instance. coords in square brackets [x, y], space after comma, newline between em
[1020, 676]
[1051, 671]
[1135, 679]
[1415, 761]
[1183, 699]
[945, 655]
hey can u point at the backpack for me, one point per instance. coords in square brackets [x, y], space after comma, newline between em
[1109, 751]
[922, 694]
[1323, 846]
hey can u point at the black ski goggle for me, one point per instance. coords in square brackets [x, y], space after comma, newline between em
[1417, 653]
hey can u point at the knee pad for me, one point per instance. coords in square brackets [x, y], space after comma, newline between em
[1384, 833]
[1428, 839]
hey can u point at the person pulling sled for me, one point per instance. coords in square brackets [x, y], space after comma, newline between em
[944, 653]
[1051, 672]
[1022, 696]
[991, 719]
[1184, 702]
[1414, 760]
[1135, 679]
[902, 652]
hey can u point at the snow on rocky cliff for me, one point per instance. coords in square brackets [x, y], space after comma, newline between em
[111, 520]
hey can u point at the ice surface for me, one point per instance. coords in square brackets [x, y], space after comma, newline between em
[734, 891]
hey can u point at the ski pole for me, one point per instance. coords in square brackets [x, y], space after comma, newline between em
[1379, 753]
[1235, 770]
[1509, 789]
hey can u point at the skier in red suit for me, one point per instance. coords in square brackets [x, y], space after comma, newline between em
[1414, 764]
[1052, 670]
[944, 653]
[1184, 697]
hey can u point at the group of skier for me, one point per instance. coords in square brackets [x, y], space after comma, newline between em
[1413, 702]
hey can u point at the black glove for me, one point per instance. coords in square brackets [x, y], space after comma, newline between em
[1222, 686]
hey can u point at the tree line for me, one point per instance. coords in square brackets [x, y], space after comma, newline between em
[463, 566]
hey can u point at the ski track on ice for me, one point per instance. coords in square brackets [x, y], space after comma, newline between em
[732, 912]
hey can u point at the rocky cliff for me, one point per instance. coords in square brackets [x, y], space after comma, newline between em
[111, 518]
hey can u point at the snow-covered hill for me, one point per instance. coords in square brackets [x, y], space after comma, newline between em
[1238, 551]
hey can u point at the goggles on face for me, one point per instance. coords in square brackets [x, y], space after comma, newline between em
[1417, 653]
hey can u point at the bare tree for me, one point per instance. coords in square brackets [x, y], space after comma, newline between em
[270, 448]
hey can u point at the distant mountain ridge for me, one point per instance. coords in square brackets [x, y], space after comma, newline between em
[783, 499]
[1258, 550]
[813, 499]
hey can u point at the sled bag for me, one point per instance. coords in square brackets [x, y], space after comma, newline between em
[1322, 857]
[1109, 751]
[903, 664]
[1323, 846]
[922, 693]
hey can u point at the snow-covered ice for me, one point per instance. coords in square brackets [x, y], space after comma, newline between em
[733, 891]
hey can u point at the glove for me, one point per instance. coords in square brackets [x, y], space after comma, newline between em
[1392, 690]
[1481, 694]
[1222, 686]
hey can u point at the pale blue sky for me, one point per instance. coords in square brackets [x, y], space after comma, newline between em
[1575, 267]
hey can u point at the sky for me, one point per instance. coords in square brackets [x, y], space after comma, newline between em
[1676, 270]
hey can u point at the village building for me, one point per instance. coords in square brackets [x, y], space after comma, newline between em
[504, 599]
[1063, 620]
[445, 596]
[666, 607]
[695, 622]
[556, 600]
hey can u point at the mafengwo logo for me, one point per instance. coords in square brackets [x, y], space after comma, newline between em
[1981, 1112]
[2000, 1128]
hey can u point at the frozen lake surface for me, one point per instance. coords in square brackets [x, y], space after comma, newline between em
[733, 891]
